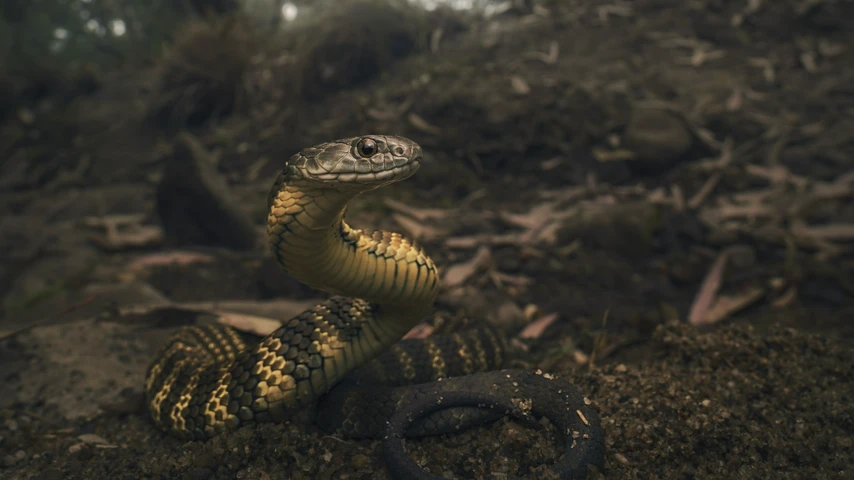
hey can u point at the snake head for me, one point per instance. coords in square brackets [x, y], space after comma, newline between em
[358, 163]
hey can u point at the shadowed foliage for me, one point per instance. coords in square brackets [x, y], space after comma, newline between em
[351, 42]
[203, 72]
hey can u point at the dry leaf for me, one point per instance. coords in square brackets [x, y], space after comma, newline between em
[418, 122]
[435, 39]
[168, 258]
[501, 279]
[250, 316]
[382, 114]
[464, 242]
[551, 163]
[726, 305]
[619, 155]
[91, 438]
[520, 86]
[133, 237]
[114, 220]
[253, 324]
[420, 331]
[418, 230]
[538, 327]
[549, 58]
[459, 273]
[735, 100]
[787, 298]
[536, 217]
[506, 239]
[703, 301]
[829, 232]
[420, 214]
[678, 198]
[704, 191]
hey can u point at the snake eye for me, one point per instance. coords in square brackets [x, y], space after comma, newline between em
[367, 147]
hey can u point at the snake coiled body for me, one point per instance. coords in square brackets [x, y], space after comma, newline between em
[345, 353]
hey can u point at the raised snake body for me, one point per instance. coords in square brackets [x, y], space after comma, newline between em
[206, 380]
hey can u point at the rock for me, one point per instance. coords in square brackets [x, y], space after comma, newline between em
[657, 137]
[196, 205]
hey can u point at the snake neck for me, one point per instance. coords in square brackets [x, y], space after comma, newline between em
[312, 242]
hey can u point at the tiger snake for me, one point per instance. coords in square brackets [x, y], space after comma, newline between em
[344, 356]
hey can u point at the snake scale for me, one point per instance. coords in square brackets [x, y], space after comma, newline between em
[345, 355]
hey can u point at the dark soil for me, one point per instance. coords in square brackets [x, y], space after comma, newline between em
[611, 119]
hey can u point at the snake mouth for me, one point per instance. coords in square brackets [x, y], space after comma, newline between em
[383, 177]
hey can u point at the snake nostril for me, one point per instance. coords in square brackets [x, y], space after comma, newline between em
[399, 151]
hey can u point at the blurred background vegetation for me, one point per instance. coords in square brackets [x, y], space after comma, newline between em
[62, 48]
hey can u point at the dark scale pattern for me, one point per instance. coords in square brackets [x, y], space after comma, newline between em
[206, 381]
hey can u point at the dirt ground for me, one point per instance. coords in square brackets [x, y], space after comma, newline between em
[653, 199]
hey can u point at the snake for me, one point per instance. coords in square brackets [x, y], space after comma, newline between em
[344, 357]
